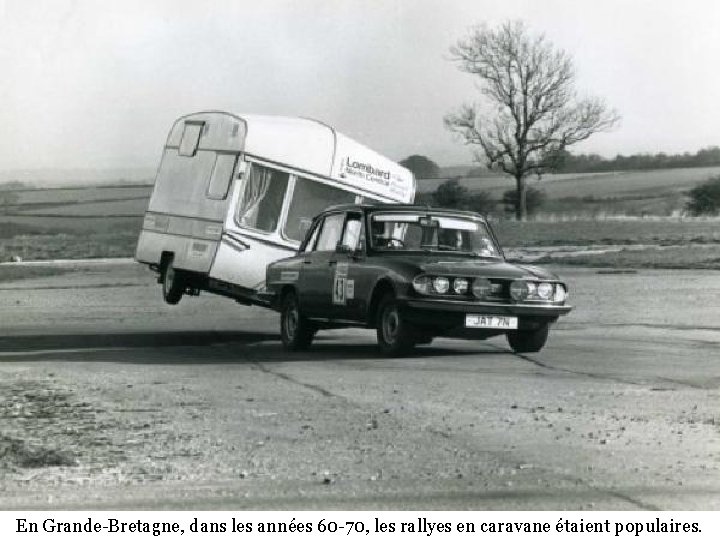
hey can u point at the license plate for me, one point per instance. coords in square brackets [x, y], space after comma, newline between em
[490, 321]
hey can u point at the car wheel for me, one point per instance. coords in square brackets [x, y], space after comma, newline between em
[528, 341]
[173, 283]
[296, 331]
[394, 334]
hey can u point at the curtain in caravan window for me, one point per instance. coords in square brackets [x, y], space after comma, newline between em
[262, 198]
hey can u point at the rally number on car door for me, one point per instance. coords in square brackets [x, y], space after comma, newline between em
[339, 296]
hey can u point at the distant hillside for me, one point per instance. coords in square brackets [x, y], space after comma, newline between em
[476, 171]
[70, 177]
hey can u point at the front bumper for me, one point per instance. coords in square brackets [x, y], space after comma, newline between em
[448, 316]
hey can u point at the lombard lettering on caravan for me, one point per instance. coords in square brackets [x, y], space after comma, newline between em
[366, 170]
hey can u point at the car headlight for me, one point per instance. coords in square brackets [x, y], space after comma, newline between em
[531, 288]
[545, 290]
[481, 287]
[421, 284]
[441, 285]
[430, 285]
[519, 290]
[460, 285]
[560, 293]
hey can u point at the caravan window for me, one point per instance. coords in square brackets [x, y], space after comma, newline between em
[190, 138]
[221, 176]
[309, 199]
[262, 198]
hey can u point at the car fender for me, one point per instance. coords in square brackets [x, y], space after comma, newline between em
[389, 281]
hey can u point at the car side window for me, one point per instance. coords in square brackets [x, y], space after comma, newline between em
[330, 233]
[353, 237]
[313, 238]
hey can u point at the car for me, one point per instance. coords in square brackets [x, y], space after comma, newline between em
[412, 273]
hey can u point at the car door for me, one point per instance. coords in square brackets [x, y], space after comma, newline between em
[346, 266]
[318, 269]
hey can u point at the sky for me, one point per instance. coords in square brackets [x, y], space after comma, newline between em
[98, 83]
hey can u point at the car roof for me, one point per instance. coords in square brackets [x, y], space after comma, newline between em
[400, 208]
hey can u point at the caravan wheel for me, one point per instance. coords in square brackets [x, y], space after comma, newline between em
[173, 283]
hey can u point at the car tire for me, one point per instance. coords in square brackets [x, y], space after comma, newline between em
[395, 335]
[296, 331]
[528, 341]
[173, 283]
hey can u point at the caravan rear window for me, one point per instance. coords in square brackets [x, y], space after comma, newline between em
[262, 198]
[190, 138]
[221, 176]
[309, 199]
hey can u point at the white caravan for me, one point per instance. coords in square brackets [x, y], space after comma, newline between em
[236, 192]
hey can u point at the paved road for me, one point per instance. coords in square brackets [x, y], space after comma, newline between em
[109, 399]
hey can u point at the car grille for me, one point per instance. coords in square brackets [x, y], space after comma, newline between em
[500, 291]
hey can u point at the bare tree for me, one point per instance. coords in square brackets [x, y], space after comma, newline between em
[530, 112]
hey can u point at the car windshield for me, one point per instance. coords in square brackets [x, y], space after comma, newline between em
[429, 232]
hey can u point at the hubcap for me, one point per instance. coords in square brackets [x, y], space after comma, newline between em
[391, 323]
[169, 278]
[291, 320]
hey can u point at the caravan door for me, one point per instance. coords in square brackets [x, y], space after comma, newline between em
[251, 238]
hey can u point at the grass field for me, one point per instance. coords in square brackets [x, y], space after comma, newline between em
[662, 232]
[63, 196]
[610, 184]
[638, 243]
[79, 211]
[634, 193]
[670, 257]
[67, 223]
[89, 222]
[9, 272]
[69, 246]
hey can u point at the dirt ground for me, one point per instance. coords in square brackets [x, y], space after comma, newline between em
[110, 399]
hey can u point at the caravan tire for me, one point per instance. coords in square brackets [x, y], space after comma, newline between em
[173, 283]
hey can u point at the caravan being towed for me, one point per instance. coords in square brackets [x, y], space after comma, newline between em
[236, 192]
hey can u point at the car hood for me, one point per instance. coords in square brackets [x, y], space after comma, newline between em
[478, 267]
